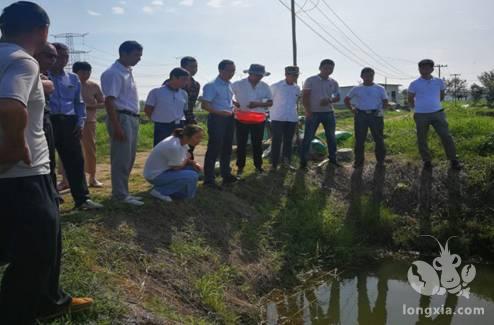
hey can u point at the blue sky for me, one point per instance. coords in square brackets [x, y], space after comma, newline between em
[453, 32]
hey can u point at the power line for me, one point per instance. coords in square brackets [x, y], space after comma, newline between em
[356, 59]
[439, 66]
[373, 57]
[360, 39]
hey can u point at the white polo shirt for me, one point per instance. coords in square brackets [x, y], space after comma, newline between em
[245, 93]
[427, 94]
[166, 154]
[169, 105]
[117, 81]
[19, 80]
[368, 98]
[285, 99]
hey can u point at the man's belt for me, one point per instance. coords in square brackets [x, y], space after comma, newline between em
[126, 112]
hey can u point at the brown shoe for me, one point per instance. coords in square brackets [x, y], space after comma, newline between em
[76, 305]
[80, 304]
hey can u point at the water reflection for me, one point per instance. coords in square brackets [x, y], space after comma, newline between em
[377, 296]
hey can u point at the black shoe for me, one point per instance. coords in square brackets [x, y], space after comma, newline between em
[260, 170]
[303, 165]
[230, 179]
[334, 162]
[456, 165]
[240, 171]
[213, 186]
[427, 164]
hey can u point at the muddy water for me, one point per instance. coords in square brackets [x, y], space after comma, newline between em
[380, 294]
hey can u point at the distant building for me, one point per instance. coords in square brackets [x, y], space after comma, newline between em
[393, 91]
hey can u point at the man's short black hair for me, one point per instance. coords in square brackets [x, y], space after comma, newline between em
[81, 66]
[61, 46]
[224, 63]
[426, 62]
[128, 47]
[186, 60]
[179, 72]
[22, 17]
[367, 70]
[326, 62]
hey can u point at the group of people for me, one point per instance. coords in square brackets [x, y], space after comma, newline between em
[44, 109]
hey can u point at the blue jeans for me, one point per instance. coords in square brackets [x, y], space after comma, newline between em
[329, 122]
[178, 184]
[164, 130]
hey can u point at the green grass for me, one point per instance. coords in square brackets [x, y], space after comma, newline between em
[192, 262]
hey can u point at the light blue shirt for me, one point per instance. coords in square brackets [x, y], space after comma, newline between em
[368, 97]
[168, 104]
[219, 93]
[67, 99]
[427, 94]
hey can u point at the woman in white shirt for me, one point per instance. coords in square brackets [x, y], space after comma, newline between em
[169, 166]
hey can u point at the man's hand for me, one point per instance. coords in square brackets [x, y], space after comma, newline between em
[325, 102]
[118, 133]
[48, 86]
[253, 105]
[196, 166]
[224, 113]
[78, 132]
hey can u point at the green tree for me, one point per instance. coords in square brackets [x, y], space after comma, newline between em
[456, 87]
[476, 91]
[487, 80]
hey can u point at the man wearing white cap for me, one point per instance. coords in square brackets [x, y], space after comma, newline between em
[253, 98]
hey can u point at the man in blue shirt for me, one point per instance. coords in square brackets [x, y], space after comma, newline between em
[425, 96]
[68, 114]
[217, 99]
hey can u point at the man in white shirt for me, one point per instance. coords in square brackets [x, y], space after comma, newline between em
[425, 95]
[253, 96]
[166, 105]
[30, 231]
[367, 101]
[284, 116]
[122, 106]
[318, 95]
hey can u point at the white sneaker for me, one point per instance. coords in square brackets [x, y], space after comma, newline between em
[132, 201]
[138, 198]
[90, 205]
[158, 195]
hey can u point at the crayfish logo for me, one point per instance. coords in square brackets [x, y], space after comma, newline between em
[426, 279]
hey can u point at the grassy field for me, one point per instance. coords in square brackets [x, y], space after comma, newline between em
[210, 260]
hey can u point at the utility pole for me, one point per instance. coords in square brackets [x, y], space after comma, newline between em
[294, 36]
[456, 80]
[74, 55]
[439, 66]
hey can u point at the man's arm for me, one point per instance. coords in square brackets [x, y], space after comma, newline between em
[79, 108]
[148, 110]
[13, 122]
[411, 100]
[348, 104]
[111, 110]
[385, 103]
[443, 95]
[306, 102]
[207, 107]
[99, 97]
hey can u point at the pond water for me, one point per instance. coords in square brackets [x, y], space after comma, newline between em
[381, 294]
